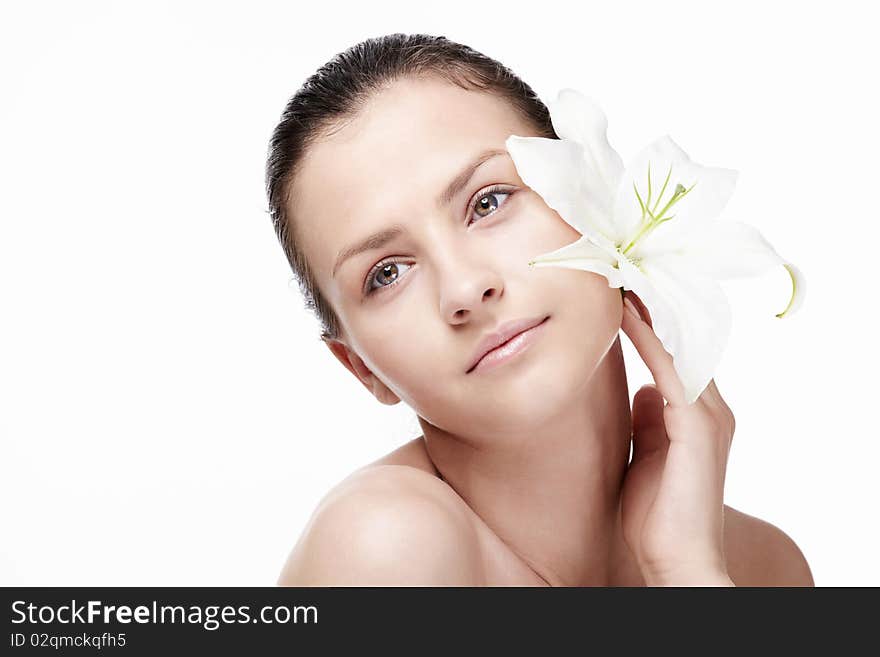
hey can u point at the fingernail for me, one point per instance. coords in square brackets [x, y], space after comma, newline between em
[631, 308]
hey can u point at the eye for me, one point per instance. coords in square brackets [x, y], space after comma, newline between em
[388, 270]
[487, 201]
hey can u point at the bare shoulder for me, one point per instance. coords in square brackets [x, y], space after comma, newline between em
[760, 554]
[387, 525]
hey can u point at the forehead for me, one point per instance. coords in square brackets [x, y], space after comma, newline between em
[402, 149]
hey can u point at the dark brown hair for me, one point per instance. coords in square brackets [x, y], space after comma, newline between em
[337, 91]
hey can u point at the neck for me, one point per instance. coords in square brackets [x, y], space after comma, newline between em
[552, 493]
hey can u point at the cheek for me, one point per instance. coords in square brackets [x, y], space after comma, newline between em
[583, 294]
[532, 230]
[597, 308]
[546, 227]
[586, 307]
[396, 357]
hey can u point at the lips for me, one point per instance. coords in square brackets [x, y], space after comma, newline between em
[502, 334]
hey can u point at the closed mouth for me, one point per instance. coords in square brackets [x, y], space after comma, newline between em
[499, 346]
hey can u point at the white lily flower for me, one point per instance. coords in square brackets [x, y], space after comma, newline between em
[652, 228]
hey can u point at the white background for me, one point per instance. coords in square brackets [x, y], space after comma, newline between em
[168, 415]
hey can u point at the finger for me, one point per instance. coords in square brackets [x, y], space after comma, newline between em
[642, 309]
[649, 429]
[710, 393]
[711, 396]
[651, 350]
[719, 406]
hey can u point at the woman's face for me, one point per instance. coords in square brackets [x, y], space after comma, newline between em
[458, 266]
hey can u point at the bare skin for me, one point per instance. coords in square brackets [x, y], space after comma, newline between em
[758, 553]
[519, 476]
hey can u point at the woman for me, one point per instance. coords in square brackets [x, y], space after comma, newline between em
[409, 230]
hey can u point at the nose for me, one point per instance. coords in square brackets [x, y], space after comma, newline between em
[467, 291]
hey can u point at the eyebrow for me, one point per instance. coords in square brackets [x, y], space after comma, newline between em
[380, 238]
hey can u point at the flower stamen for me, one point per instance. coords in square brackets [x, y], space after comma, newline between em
[679, 194]
[662, 189]
[638, 196]
[655, 220]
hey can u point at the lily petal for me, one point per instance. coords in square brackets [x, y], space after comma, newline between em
[583, 254]
[578, 118]
[799, 290]
[720, 249]
[710, 189]
[723, 250]
[556, 170]
[690, 315]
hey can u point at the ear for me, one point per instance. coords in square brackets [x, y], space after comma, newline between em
[354, 364]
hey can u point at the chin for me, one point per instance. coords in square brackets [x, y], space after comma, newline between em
[528, 396]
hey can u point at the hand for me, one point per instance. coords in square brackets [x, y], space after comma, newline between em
[672, 499]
